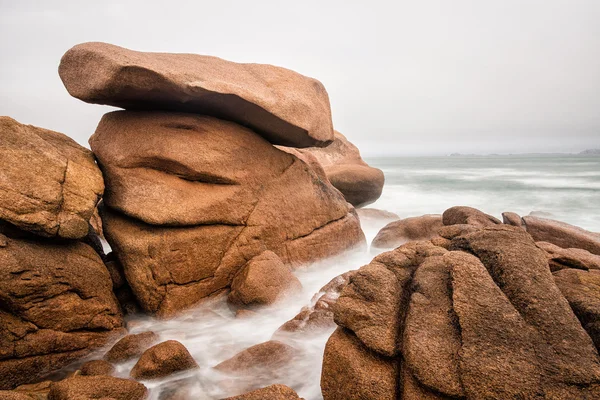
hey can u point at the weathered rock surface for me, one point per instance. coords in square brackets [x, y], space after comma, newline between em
[273, 392]
[162, 168]
[285, 107]
[131, 346]
[56, 306]
[511, 218]
[97, 387]
[484, 318]
[559, 258]
[162, 360]
[405, 230]
[562, 234]
[97, 367]
[360, 183]
[469, 216]
[264, 280]
[49, 185]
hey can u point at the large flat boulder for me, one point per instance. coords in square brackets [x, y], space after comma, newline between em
[283, 106]
[56, 306]
[49, 185]
[190, 200]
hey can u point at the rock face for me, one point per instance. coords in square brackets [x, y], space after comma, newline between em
[264, 280]
[97, 387]
[253, 95]
[97, 367]
[49, 185]
[191, 199]
[273, 392]
[405, 230]
[360, 183]
[162, 360]
[56, 305]
[131, 346]
[559, 258]
[469, 216]
[484, 318]
[562, 234]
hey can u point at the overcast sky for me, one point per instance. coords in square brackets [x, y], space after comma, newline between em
[404, 77]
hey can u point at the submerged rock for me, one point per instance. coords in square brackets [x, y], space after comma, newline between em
[405, 230]
[253, 95]
[49, 185]
[58, 306]
[163, 360]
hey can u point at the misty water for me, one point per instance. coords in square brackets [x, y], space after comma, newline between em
[565, 188]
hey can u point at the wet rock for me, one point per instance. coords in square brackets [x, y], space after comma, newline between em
[131, 346]
[57, 306]
[270, 356]
[162, 360]
[469, 216]
[511, 218]
[262, 199]
[97, 367]
[360, 183]
[273, 392]
[405, 230]
[562, 234]
[352, 371]
[374, 214]
[49, 185]
[559, 258]
[253, 95]
[264, 280]
[97, 387]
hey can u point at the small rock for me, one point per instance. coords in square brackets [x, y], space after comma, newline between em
[405, 230]
[131, 346]
[162, 360]
[97, 367]
[468, 215]
[273, 392]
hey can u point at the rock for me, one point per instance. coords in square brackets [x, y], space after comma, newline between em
[49, 185]
[360, 183]
[374, 214]
[162, 360]
[97, 387]
[582, 291]
[283, 106]
[405, 230]
[273, 392]
[351, 371]
[131, 346]
[164, 179]
[468, 215]
[559, 258]
[57, 306]
[97, 367]
[562, 234]
[33, 391]
[264, 280]
[268, 356]
[12, 395]
[511, 218]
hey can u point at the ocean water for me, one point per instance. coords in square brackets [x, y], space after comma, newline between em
[566, 188]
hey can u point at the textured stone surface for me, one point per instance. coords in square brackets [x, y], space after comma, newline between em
[131, 346]
[395, 233]
[162, 360]
[468, 215]
[273, 392]
[97, 387]
[56, 305]
[49, 185]
[97, 367]
[285, 107]
[559, 258]
[264, 280]
[511, 218]
[562, 234]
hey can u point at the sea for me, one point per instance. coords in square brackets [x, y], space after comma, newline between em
[566, 188]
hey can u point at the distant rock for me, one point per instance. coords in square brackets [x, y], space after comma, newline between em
[590, 152]
[360, 183]
[253, 95]
[395, 233]
[162, 360]
[49, 185]
[264, 280]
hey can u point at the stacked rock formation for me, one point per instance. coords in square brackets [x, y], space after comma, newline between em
[479, 315]
[343, 166]
[195, 189]
[56, 299]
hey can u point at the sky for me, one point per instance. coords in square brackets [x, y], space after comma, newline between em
[420, 77]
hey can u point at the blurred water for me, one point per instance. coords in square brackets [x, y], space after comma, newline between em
[565, 187]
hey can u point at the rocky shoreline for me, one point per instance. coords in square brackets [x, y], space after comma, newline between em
[214, 187]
